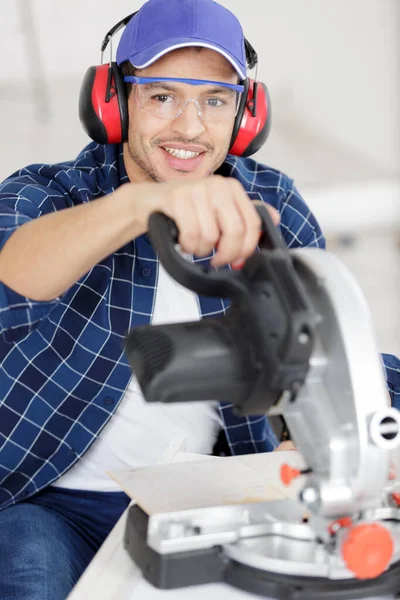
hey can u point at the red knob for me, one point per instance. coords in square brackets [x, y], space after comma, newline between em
[367, 550]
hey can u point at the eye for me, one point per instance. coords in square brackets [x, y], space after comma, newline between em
[162, 98]
[214, 102]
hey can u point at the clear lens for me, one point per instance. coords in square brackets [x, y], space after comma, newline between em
[212, 106]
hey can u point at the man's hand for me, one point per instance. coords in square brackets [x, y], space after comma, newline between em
[210, 213]
[285, 446]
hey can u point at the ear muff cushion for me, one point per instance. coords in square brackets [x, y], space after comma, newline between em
[89, 118]
[252, 132]
[120, 89]
[241, 109]
[264, 125]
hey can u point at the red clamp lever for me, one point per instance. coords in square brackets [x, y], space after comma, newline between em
[288, 473]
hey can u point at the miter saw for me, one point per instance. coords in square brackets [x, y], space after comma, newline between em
[297, 341]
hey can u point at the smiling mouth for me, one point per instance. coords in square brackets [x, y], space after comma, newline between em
[183, 154]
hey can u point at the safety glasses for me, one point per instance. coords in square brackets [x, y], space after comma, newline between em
[166, 98]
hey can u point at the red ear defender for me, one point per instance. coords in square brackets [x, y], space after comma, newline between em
[253, 121]
[103, 109]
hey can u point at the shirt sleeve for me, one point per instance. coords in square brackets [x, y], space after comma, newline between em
[299, 227]
[20, 204]
[392, 368]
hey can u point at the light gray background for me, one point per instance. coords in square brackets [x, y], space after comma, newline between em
[332, 67]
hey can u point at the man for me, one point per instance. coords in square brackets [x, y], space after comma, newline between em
[77, 271]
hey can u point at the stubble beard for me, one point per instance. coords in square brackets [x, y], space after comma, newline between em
[151, 174]
[144, 166]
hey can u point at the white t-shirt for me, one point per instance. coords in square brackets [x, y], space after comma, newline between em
[139, 432]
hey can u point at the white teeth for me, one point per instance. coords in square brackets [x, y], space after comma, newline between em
[185, 154]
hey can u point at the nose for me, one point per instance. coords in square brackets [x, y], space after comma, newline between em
[188, 123]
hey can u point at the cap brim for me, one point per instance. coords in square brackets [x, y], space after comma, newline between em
[146, 57]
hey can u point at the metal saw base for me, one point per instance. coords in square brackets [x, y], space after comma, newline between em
[213, 564]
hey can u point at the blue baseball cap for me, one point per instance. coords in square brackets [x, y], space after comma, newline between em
[161, 26]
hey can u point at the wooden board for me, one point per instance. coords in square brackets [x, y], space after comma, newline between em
[211, 482]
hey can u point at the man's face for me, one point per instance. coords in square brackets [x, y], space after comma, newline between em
[152, 150]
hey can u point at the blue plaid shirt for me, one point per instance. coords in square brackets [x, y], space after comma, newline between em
[62, 366]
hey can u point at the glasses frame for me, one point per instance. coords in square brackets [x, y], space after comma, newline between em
[231, 86]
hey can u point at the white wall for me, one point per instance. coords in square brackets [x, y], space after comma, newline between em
[332, 66]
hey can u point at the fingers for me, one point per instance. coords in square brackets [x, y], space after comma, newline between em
[239, 243]
[231, 223]
[185, 217]
[285, 446]
[207, 223]
[215, 213]
[198, 228]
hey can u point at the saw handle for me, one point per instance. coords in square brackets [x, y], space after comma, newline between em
[164, 229]
[164, 236]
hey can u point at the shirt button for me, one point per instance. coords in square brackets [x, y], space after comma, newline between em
[146, 272]
[108, 401]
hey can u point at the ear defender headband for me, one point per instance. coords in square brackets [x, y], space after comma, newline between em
[103, 105]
